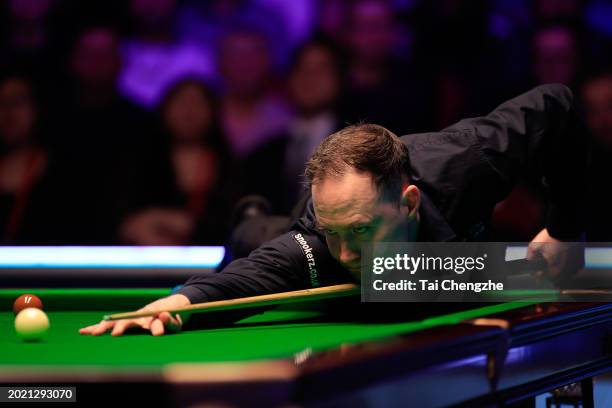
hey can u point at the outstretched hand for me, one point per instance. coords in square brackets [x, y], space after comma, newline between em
[158, 324]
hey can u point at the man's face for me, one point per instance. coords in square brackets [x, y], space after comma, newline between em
[350, 211]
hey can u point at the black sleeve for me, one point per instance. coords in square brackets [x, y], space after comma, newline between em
[293, 261]
[537, 131]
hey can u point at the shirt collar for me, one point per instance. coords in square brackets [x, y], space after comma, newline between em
[432, 226]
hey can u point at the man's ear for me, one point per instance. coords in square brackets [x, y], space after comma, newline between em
[411, 198]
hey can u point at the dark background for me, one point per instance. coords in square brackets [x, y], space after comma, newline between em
[145, 121]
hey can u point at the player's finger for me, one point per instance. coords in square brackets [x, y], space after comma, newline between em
[88, 329]
[157, 327]
[101, 328]
[122, 325]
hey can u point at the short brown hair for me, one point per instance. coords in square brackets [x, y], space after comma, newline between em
[366, 148]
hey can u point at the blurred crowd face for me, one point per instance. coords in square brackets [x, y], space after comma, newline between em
[597, 95]
[151, 12]
[555, 57]
[29, 10]
[372, 32]
[314, 83]
[188, 113]
[245, 63]
[17, 112]
[96, 60]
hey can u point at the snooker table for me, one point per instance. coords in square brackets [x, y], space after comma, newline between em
[433, 355]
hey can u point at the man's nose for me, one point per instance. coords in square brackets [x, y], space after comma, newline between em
[347, 253]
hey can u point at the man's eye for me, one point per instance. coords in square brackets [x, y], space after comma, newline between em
[361, 229]
[329, 231]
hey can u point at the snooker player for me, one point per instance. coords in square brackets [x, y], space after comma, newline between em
[366, 184]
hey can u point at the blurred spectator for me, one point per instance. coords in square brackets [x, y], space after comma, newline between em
[100, 137]
[95, 63]
[180, 194]
[274, 171]
[555, 56]
[26, 29]
[555, 60]
[331, 19]
[597, 98]
[383, 88]
[285, 23]
[251, 113]
[154, 57]
[454, 56]
[23, 163]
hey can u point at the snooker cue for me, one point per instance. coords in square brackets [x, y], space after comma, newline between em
[273, 299]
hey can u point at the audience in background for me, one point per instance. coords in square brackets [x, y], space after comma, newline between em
[555, 56]
[555, 60]
[451, 46]
[208, 22]
[24, 163]
[379, 81]
[251, 112]
[153, 56]
[100, 137]
[179, 198]
[26, 30]
[331, 19]
[137, 150]
[597, 98]
[314, 88]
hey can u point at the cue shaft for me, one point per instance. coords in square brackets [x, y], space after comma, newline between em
[273, 299]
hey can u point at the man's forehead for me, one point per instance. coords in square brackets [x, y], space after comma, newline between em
[350, 198]
[340, 190]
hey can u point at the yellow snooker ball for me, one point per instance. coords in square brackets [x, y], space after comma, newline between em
[31, 324]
